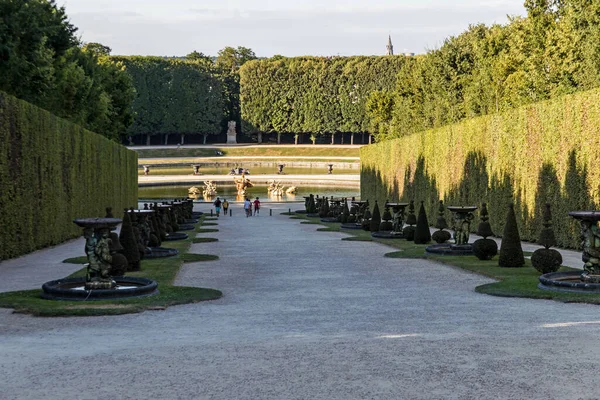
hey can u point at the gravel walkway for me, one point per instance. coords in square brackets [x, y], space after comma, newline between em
[306, 315]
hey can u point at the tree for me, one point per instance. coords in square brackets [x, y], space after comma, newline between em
[230, 59]
[97, 49]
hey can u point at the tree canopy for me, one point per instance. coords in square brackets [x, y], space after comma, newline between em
[44, 63]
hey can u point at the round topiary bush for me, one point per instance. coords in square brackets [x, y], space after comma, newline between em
[441, 236]
[546, 260]
[485, 249]
[118, 265]
[409, 233]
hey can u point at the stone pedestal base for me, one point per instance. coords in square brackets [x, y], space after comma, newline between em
[231, 138]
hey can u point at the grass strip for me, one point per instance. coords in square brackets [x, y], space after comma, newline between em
[204, 240]
[192, 257]
[206, 230]
[511, 282]
[162, 270]
[76, 260]
[210, 224]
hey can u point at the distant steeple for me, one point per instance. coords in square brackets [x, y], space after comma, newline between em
[389, 47]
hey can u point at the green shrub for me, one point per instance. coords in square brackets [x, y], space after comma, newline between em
[375, 218]
[534, 154]
[511, 253]
[422, 233]
[130, 244]
[53, 171]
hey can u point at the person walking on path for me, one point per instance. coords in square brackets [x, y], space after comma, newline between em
[247, 207]
[217, 204]
[225, 206]
[256, 206]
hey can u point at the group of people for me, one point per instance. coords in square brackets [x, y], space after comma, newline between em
[239, 171]
[249, 206]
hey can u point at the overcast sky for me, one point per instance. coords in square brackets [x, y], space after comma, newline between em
[286, 27]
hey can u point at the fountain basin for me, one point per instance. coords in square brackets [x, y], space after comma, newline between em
[74, 289]
[450, 249]
[351, 225]
[387, 235]
[176, 236]
[569, 282]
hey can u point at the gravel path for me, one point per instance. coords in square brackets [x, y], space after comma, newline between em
[306, 315]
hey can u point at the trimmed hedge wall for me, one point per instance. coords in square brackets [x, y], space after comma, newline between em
[52, 171]
[545, 152]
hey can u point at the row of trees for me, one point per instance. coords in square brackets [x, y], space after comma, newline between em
[44, 63]
[194, 95]
[551, 52]
[175, 96]
[313, 95]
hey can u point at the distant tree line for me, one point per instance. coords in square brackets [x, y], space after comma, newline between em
[313, 95]
[44, 63]
[554, 50]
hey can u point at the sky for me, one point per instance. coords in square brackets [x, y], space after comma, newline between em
[287, 27]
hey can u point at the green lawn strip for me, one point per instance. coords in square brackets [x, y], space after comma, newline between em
[289, 151]
[76, 260]
[206, 230]
[193, 257]
[512, 282]
[210, 219]
[210, 224]
[162, 270]
[204, 240]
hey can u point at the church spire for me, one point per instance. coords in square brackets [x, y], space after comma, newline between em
[390, 47]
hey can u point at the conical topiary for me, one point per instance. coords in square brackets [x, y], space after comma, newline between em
[375, 219]
[324, 211]
[441, 236]
[546, 260]
[366, 222]
[109, 213]
[345, 212]
[409, 231]
[511, 252]
[422, 233]
[130, 245]
[311, 207]
[484, 249]
[386, 223]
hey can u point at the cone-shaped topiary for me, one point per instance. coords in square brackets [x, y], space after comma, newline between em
[366, 222]
[345, 212]
[484, 249]
[375, 218]
[441, 220]
[311, 207]
[511, 252]
[109, 213]
[130, 245]
[441, 236]
[386, 223]
[324, 211]
[422, 233]
[546, 260]
[409, 231]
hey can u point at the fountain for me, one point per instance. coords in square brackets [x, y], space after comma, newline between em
[98, 284]
[397, 222]
[462, 217]
[587, 281]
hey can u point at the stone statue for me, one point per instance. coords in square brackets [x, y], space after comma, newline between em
[231, 134]
[97, 248]
[242, 184]
[591, 248]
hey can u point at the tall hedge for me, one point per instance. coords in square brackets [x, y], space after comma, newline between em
[176, 96]
[544, 152]
[52, 171]
[315, 95]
